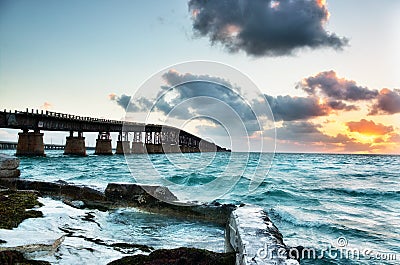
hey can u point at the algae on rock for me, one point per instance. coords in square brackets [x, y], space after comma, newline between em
[15, 206]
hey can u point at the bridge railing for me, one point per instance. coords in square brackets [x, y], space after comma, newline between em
[48, 113]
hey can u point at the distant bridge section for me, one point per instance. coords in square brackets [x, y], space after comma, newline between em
[146, 138]
[6, 145]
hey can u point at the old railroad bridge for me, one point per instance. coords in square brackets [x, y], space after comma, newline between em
[146, 138]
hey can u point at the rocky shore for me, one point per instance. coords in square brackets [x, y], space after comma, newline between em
[19, 196]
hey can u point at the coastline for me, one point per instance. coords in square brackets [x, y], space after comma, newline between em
[133, 195]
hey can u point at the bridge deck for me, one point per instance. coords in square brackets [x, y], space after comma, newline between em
[53, 121]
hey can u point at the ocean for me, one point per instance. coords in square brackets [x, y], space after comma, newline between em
[343, 209]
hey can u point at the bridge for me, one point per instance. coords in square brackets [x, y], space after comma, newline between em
[146, 138]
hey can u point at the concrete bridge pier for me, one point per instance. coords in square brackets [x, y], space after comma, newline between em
[123, 145]
[75, 145]
[137, 148]
[103, 144]
[137, 144]
[30, 143]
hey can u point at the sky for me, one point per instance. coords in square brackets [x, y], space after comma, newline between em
[329, 70]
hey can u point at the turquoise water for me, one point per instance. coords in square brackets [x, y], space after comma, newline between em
[317, 201]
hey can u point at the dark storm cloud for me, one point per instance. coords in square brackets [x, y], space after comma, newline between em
[340, 105]
[287, 108]
[180, 88]
[330, 85]
[388, 102]
[206, 94]
[264, 27]
[186, 96]
[124, 101]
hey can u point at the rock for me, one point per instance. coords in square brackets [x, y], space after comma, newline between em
[90, 197]
[140, 194]
[179, 256]
[8, 162]
[155, 199]
[9, 257]
[74, 204]
[50, 248]
[123, 195]
[14, 207]
[10, 173]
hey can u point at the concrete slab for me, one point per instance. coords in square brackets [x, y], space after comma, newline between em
[256, 239]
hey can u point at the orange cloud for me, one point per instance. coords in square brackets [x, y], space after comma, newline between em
[395, 138]
[46, 105]
[321, 3]
[368, 127]
[112, 96]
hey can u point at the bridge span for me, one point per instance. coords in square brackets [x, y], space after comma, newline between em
[146, 138]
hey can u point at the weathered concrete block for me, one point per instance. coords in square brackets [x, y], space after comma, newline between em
[256, 239]
[9, 173]
[8, 162]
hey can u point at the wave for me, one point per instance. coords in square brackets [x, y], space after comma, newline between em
[192, 179]
[355, 192]
[281, 216]
[364, 192]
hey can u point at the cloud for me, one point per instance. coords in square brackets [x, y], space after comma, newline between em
[124, 101]
[46, 105]
[264, 27]
[192, 95]
[395, 138]
[340, 105]
[287, 108]
[112, 96]
[185, 96]
[368, 127]
[328, 84]
[388, 102]
[307, 132]
[308, 137]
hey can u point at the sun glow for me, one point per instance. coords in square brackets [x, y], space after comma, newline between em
[195, 13]
[274, 4]
[321, 3]
[232, 30]
[362, 138]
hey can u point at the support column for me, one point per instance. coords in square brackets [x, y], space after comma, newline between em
[30, 144]
[103, 144]
[123, 145]
[137, 144]
[153, 145]
[137, 148]
[75, 145]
